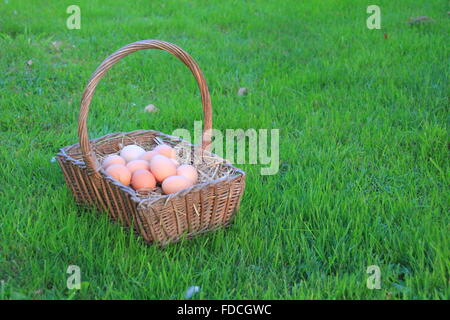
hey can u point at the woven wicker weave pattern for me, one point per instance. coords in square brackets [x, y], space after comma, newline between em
[204, 207]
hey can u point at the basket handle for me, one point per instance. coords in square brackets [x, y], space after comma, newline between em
[88, 155]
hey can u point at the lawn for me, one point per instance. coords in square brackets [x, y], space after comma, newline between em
[364, 147]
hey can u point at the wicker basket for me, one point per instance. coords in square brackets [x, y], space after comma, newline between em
[159, 218]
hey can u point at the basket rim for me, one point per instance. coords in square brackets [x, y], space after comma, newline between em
[133, 194]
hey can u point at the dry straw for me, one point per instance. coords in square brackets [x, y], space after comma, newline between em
[159, 218]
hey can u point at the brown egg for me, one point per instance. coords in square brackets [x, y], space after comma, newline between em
[188, 171]
[142, 179]
[113, 159]
[137, 164]
[162, 167]
[166, 150]
[148, 155]
[120, 173]
[175, 183]
[175, 162]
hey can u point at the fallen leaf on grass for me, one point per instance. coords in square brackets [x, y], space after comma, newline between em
[242, 92]
[419, 20]
[151, 108]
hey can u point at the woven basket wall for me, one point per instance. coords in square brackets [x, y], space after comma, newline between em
[158, 218]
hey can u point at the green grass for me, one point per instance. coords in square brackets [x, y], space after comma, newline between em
[364, 175]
